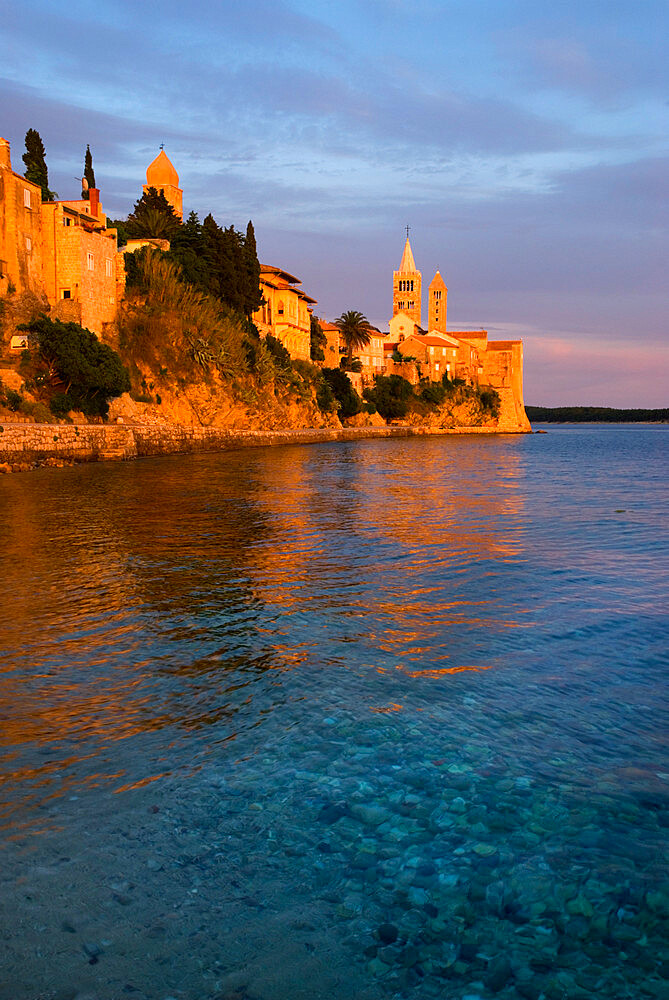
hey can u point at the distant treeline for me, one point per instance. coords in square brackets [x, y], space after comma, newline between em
[593, 415]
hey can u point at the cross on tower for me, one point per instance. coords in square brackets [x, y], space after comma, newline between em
[408, 228]
[162, 145]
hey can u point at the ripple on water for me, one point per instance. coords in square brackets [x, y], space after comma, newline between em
[372, 720]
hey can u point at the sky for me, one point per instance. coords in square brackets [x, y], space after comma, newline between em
[523, 141]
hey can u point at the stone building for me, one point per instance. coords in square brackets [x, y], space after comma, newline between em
[436, 354]
[331, 348]
[60, 251]
[463, 354]
[285, 312]
[20, 229]
[371, 356]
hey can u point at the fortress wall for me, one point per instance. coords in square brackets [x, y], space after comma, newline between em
[24, 445]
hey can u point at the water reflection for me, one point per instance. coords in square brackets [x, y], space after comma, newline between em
[260, 704]
[179, 594]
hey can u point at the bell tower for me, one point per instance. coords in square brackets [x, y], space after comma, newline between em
[407, 286]
[160, 174]
[436, 306]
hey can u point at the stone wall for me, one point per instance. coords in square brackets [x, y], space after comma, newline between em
[20, 229]
[91, 287]
[25, 445]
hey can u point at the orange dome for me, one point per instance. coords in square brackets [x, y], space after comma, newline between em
[161, 172]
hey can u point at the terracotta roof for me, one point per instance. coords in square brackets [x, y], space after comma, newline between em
[438, 281]
[305, 297]
[436, 342]
[444, 338]
[502, 345]
[328, 326]
[286, 275]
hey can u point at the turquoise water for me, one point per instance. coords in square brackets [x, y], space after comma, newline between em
[378, 719]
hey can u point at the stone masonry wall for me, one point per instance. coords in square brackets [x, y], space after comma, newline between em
[23, 445]
[20, 231]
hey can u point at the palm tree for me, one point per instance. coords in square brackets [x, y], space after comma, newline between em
[355, 330]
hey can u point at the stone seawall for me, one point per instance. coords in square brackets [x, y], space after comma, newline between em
[24, 445]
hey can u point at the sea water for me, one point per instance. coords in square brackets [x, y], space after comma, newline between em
[375, 719]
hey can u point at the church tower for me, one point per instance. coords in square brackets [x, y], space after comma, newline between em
[436, 306]
[161, 175]
[406, 286]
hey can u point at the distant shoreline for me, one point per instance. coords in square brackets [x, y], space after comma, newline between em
[595, 415]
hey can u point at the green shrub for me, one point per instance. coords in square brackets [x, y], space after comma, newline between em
[391, 395]
[433, 393]
[279, 353]
[73, 358]
[13, 399]
[42, 414]
[61, 404]
[344, 393]
[325, 398]
[490, 401]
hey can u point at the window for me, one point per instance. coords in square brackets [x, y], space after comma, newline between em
[29, 244]
[280, 309]
[411, 289]
[108, 268]
[26, 197]
[436, 367]
[67, 294]
[90, 261]
[437, 295]
[67, 221]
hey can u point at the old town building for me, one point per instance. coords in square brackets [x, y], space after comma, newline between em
[60, 251]
[285, 312]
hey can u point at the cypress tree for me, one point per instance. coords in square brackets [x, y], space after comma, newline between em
[36, 168]
[89, 173]
[252, 266]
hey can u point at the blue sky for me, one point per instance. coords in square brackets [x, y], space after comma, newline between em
[523, 141]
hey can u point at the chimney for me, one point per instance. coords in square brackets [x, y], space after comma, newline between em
[94, 201]
[5, 157]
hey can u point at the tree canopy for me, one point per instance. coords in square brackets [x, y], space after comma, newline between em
[355, 330]
[342, 389]
[71, 359]
[35, 161]
[152, 217]
[318, 341]
[221, 262]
